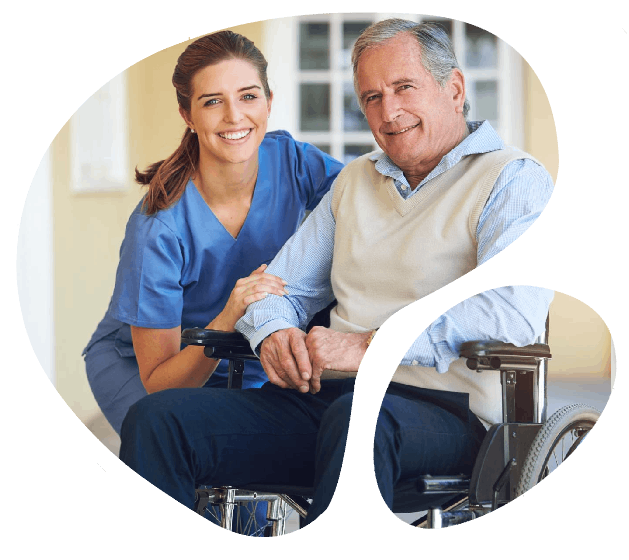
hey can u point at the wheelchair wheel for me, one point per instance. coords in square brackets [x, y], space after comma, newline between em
[562, 433]
[249, 518]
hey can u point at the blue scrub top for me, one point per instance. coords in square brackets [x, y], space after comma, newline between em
[179, 266]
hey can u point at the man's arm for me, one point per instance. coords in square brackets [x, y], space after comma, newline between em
[515, 314]
[305, 263]
[520, 194]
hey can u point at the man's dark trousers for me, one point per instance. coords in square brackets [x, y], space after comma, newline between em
[423, 431]
[180, 439]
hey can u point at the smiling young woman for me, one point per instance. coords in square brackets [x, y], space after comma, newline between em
[202, 65]
[218, 208]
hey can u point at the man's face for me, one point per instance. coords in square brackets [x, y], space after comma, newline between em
[413, 119]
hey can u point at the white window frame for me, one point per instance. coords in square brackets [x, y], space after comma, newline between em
[281, 48]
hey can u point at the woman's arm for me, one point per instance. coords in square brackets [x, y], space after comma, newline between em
[163, 365]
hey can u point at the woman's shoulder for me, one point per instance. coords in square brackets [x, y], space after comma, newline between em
[168, 220]
[278, 136]
[281, 142]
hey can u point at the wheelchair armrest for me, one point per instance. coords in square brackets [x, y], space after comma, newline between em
[219, 344]
[493, 354]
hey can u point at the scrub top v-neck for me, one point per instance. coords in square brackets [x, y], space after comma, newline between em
[215, 223]
[179, 266]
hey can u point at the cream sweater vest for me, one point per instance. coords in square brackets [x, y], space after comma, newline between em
[390, 252]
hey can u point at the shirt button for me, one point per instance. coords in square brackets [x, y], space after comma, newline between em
[415, 362]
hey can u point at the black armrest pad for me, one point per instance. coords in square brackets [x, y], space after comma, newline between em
[491, 348]
[219, 344]
[208, 337]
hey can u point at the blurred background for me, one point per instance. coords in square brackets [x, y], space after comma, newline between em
[83, 193]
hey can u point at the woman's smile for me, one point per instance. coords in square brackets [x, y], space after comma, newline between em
[235, 135]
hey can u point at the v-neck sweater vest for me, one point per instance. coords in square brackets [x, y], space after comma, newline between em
[390, 252]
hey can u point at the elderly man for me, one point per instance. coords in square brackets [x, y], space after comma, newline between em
[429, 189]
[440, 198]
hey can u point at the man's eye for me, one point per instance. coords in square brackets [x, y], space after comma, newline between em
[371, 98]
[211, 102]
[249, 96]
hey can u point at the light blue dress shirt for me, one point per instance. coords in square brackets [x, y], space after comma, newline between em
[514, 314]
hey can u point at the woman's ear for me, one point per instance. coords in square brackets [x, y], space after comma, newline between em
[269, 103]
[186, 117]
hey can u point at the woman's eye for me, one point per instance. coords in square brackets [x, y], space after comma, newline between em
[249, 96]
[211, 102]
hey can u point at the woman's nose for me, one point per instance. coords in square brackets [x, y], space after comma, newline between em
[232, 113]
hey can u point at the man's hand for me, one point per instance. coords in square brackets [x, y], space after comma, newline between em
[329, 349]
[284, 357]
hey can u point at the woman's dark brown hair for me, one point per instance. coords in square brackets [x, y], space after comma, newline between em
[167, 179]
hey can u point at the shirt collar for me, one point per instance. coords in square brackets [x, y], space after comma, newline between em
[482, 138]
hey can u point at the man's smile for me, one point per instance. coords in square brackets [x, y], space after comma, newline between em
[403, 130]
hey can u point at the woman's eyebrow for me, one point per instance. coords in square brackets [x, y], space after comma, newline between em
[246, 88]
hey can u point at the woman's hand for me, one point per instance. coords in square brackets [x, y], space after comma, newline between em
[247, 290]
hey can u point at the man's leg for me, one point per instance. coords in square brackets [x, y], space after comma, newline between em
[329, 454]
[416, 436]
[181, 438]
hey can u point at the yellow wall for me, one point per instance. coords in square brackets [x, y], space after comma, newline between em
[579, 340]
[540, 136]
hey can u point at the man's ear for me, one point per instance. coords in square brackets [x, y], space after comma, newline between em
[457, 87]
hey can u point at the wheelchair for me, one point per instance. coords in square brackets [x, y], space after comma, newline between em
[514, 456]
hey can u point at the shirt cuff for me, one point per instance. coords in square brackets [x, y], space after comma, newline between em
[256, 337]
[431, 349]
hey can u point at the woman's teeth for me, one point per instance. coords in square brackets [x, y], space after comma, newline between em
[234, 135]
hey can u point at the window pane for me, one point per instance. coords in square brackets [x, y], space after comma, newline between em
[481, 49]
[486, 98]
[315, 107]
[314, 46]
[352, 151]
[353, 119]
[351, 32]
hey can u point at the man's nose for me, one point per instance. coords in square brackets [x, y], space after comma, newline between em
[391, 109]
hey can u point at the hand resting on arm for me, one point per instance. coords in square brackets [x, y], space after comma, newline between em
[163, 365]
[295, 360]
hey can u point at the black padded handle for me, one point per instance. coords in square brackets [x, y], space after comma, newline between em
[219, 344]
[490, 348]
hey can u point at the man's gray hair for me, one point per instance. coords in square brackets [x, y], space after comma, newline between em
[437, 54]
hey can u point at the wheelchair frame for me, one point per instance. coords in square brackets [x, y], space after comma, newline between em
[513, 457]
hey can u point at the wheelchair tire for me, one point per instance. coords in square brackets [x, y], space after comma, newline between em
[560, 435]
